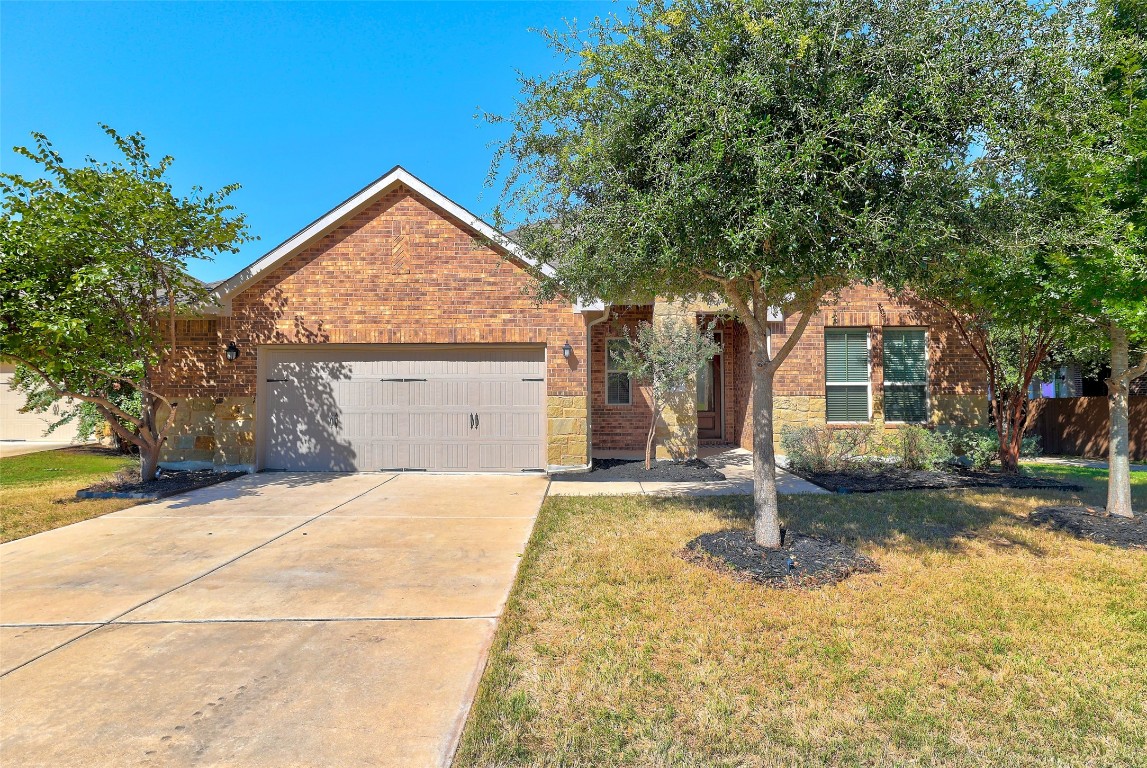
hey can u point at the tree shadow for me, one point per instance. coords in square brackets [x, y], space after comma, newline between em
[921, 521]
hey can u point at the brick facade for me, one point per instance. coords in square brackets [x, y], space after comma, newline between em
[399, 271]
[957, 382]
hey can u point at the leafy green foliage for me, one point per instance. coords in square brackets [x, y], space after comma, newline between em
[826, 449]
[763, 152]
[917, 447]
[90, 423]
[982, 446]
[93, 276]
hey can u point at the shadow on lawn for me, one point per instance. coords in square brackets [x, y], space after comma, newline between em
[915, 520]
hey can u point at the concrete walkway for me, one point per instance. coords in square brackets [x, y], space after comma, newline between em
[735, 463]
[275, 620]
[1071, 461]
[21, 447]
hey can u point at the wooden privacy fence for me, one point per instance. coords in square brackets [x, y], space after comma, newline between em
[1078, 426]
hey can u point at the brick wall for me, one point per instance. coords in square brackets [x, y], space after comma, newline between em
[957, 382]
[618, 427]
[400, 270]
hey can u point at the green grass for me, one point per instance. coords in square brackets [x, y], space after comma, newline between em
[38, 490]
[983, 640]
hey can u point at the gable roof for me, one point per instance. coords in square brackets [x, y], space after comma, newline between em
[224, 290]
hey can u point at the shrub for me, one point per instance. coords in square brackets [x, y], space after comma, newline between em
[918, 448]
[824, 449]
[982, 446]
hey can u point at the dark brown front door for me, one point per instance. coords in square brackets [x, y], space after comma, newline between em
[710, 425]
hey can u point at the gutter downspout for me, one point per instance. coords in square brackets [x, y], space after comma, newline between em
[589, 384]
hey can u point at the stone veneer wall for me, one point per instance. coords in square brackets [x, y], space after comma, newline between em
[397, 271]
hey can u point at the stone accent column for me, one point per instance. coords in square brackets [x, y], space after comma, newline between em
[676, 432]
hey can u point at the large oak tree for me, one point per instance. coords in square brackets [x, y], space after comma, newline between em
[764, 152]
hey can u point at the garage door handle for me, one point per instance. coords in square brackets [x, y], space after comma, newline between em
[533, 379]
[276, 381]
[477, 423]
[402, 379]
[471, 421]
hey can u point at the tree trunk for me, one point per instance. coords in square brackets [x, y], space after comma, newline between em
[148, 461]
[649, 437]
[1119, 459]
[766, 515]
[1009, 430]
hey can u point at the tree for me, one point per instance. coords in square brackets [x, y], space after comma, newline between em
[766, 153]
[1117, 292]
[667, 356]
[93, 277]
[1012, 311]
[40, 398]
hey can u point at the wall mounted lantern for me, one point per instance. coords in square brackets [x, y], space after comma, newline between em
[232, 351]
[567, 350]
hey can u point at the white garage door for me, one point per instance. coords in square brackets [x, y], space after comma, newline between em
[474, 408]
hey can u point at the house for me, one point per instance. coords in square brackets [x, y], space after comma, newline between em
[397, 331]
[17, 426]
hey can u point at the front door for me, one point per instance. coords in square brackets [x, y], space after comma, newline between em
[710, 425]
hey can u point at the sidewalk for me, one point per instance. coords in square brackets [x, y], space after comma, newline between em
[735, 463]
[1071, 461]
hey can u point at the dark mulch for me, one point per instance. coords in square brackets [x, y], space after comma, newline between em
[169, 483]
[1095, 525]
[693, 470]
[801, 561]
[864, 479]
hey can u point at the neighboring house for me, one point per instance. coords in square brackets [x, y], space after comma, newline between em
[398, 332]
[15, 425]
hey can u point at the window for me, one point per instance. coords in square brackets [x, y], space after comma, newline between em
[846, 382]
[616, 380]
[905, 375]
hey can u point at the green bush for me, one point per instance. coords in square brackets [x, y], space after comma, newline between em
[918, 447]
[824, 449]
[982, 446]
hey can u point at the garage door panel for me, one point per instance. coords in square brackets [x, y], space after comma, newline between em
[405, 407]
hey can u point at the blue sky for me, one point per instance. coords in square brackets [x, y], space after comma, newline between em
[302, 104]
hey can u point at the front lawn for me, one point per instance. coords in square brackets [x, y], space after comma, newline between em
[982, 641]
[38, 490]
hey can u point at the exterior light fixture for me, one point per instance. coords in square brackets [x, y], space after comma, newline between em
[232, 351]
[567, 350]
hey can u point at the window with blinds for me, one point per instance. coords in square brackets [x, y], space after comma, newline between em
[616, 380]
[905, 375]
[846, 381]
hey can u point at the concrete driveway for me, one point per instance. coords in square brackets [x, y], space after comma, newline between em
[276, 620]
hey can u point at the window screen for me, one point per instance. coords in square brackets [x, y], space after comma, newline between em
[905, 375]
[846, 374]
[616, 380]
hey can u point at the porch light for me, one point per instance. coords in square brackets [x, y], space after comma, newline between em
[232, 351]
[567, 350]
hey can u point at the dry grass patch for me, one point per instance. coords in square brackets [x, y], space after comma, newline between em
[983, 641]
[38, 490]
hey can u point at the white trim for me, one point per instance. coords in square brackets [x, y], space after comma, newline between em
[927, 374]
[868, 384]
[398, 175]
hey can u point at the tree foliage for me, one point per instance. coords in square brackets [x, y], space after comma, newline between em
[765, 152]
[94, 275]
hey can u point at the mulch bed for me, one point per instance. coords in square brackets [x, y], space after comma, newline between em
[691, 471]
[802, 560]
[866, 480]
[169, 483]
[1095, 525]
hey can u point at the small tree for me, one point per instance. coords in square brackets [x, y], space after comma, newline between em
[93, 276]
[666, 356]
